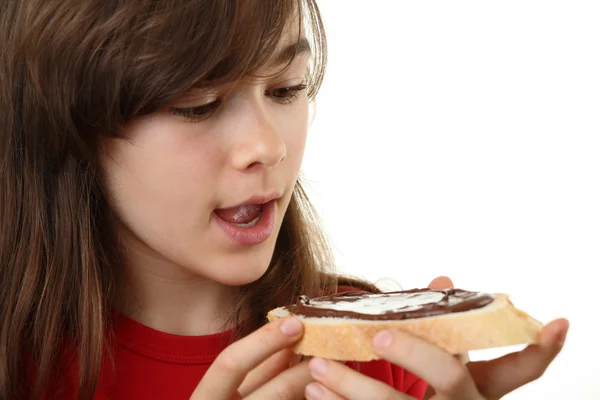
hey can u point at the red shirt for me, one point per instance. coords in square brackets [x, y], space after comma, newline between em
[149, 364]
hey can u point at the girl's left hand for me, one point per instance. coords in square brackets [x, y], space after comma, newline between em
[446, 374]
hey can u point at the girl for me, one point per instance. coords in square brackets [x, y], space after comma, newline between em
[151, 211]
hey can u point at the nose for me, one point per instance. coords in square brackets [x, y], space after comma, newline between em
[259, 143]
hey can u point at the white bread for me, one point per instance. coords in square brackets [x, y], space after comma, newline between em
[497, 324]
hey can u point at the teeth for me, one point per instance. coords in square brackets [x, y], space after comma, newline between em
[249, 224]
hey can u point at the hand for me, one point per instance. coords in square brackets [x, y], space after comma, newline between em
[251, 368]
[447, 375]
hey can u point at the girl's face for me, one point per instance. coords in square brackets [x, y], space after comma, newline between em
[177, 181]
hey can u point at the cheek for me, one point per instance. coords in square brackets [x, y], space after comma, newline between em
[294, 135]
[158, 180]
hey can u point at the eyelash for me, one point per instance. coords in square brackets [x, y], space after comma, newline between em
[290, 93]
[283, 95]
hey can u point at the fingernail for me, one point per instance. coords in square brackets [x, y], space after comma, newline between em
[560, 338]
[382, 340]
[318, 366]
[291, 327]
[314, 392]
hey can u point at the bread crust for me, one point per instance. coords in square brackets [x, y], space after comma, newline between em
[497, 324]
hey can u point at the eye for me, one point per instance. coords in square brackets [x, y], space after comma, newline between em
[196, 114]
[286, 94]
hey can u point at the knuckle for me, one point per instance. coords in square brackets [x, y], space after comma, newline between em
[534, 374]
[384, 392]
[530, 372]
[270, 327]
[268, 336]
[285, 390]
[341, 377]
[228, 362]
[410, 350]
[456, 379]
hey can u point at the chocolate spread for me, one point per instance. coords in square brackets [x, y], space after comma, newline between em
[406, 304]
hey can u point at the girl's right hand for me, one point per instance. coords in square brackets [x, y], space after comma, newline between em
[258, 367]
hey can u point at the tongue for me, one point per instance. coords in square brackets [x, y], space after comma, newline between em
[240, 215]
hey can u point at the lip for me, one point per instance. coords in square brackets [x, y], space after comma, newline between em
[256, 199]
[257, 234]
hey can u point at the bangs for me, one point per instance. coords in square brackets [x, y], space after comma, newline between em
[189, 44]
[94, 65]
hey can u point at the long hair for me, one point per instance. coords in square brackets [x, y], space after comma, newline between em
[72, 71]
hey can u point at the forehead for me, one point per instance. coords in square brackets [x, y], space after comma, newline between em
[257, 39]
[259, 46]
[289, 50]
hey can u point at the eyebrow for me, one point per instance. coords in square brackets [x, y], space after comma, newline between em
[293, 50]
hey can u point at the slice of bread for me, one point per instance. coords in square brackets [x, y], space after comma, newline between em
[496, 324]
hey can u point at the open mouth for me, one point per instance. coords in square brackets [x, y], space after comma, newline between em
[248, 224]
[245, 216]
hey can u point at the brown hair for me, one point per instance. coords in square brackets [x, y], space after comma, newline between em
[71, 71]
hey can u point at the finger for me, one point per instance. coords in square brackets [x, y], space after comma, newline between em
[441, 282]
[447, 375]
[463, 358]
[229, 369]
[498, 377]
[348, 383]
[295, 359]
[316, 391]
[288, 385]
[267, 370]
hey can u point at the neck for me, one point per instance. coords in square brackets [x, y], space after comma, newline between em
[171, 299]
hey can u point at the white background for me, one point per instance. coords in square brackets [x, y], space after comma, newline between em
[463, 139]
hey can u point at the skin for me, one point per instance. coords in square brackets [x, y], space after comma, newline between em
[258, 367]
[449, 377]
[164, 182]
[170, 174]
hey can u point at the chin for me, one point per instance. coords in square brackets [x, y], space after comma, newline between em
[236, 276]
[241, 269]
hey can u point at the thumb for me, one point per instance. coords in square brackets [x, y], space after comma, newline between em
[441, 282]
